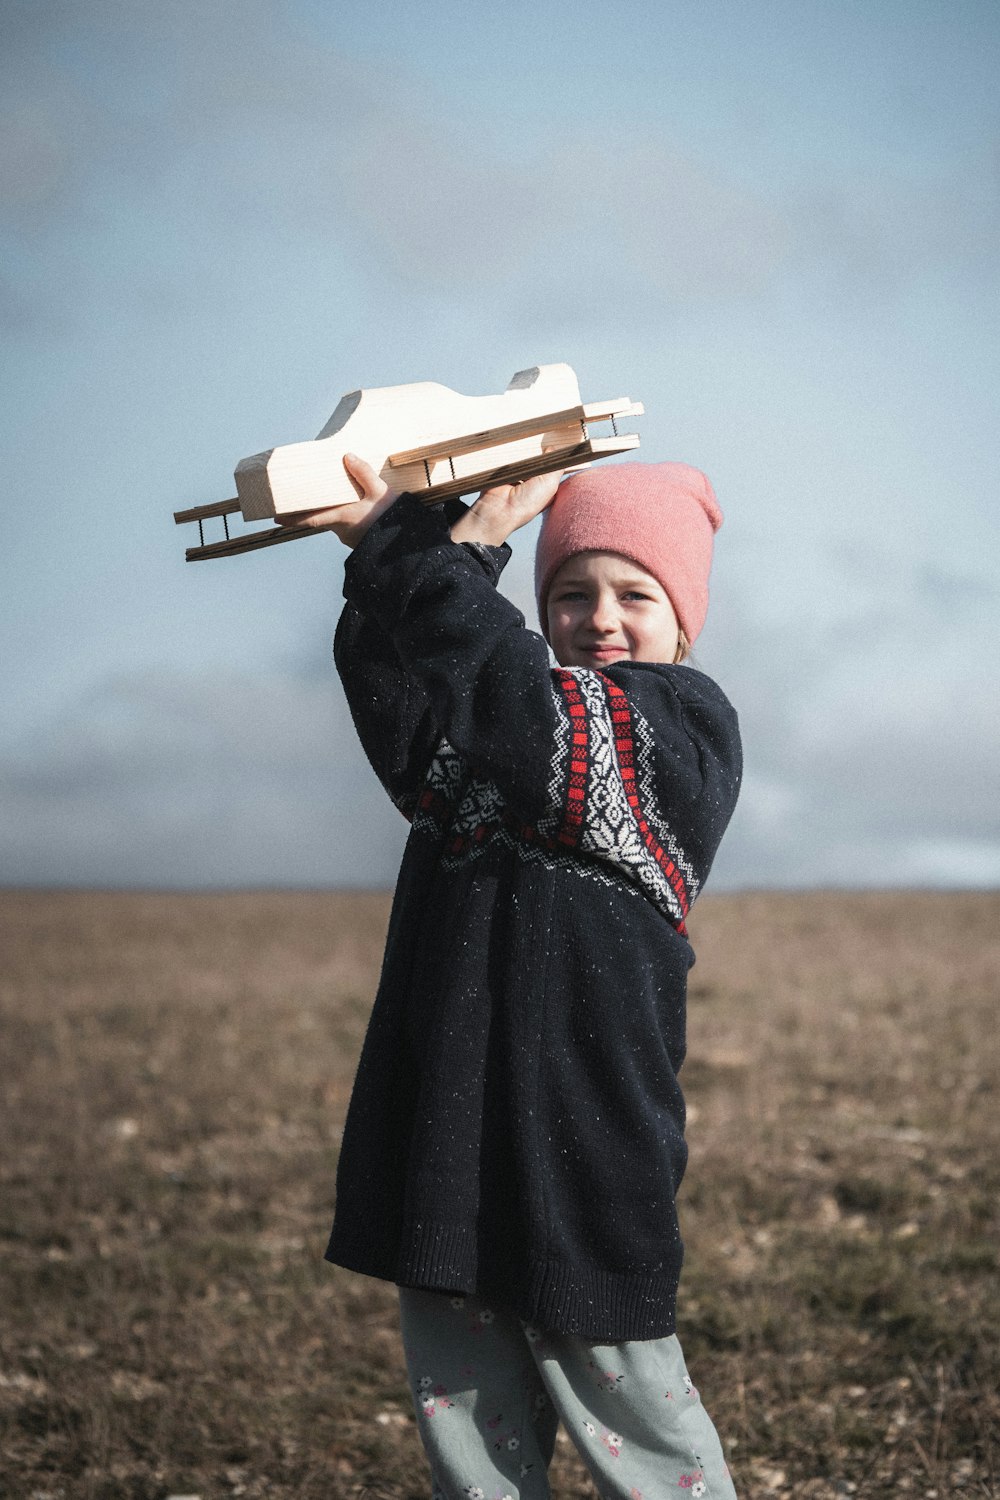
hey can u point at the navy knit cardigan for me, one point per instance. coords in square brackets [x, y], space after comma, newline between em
[516, 1127]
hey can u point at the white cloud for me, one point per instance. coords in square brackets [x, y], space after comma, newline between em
[951, 862]
[253, 128]
[185, 781]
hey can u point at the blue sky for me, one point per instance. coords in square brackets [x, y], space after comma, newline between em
[775, 224]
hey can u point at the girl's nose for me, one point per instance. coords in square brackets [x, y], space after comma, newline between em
[603, 616]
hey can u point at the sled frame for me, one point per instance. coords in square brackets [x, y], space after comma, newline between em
[583, 452]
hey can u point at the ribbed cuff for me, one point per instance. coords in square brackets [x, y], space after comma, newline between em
[493, 559]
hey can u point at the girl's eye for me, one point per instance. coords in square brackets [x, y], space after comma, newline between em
[579, 594]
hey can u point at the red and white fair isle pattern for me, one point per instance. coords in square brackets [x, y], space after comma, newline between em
[602, 800]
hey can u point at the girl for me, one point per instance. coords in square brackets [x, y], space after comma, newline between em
[514, 1141]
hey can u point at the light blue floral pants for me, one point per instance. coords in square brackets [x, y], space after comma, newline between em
[490, 1391]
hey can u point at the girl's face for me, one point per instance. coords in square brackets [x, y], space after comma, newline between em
[603, 607]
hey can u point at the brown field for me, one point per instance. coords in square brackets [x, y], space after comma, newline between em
[176, 1069]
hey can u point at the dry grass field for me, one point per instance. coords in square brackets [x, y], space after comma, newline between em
[176, 1070]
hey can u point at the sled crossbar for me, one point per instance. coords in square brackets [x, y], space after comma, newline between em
[494, 437]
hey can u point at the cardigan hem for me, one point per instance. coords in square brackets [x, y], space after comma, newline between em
[603, 1306]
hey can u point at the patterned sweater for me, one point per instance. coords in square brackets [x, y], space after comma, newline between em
[516, 1127]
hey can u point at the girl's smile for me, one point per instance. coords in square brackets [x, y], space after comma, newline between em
[603, 607]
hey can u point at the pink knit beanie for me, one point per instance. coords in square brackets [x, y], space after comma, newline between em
[662, 516]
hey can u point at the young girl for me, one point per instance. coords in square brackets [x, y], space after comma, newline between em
[514, 1142]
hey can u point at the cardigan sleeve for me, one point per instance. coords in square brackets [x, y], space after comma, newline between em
[391, 707]
[638, 764]
[391, 710]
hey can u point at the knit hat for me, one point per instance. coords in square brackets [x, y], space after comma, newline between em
[662, 516]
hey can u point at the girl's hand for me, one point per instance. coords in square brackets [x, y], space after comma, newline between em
[500, 511]
[349, 522]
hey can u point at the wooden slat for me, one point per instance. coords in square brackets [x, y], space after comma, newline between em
[603, 411]
[207, 512]
[250, 542]
[527, 468]
[494, 437]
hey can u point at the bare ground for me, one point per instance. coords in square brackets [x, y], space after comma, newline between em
[176, 1070]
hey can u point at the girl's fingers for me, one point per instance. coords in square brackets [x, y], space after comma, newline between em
[319, 520]
[367, 483]
[515, 505]
[349, 521]
[510, 506]
[356, 484]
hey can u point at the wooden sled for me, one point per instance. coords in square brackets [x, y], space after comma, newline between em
[423, 439]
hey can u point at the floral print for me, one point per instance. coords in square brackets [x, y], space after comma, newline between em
[479, 1318]
[613, 1441]
[432, 1396]
[695, 1482]
[499, 1385]
[607, 1380]
[508, 1438]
